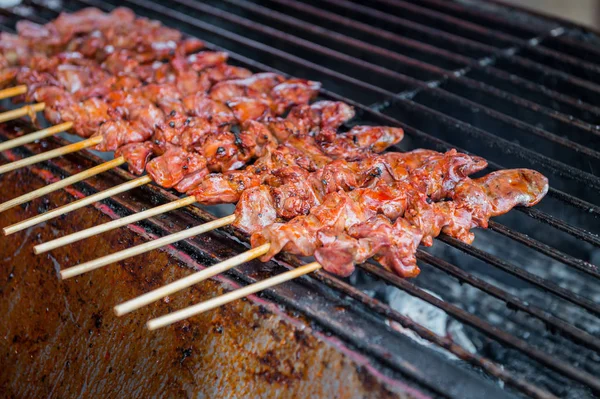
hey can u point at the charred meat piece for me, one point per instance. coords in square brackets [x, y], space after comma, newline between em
[255, 86]
[169, 169]
[293, 92]
[258, 210]
[322, 115]
[499, 192]
[213, 111]
[137, 155]
[359, 142]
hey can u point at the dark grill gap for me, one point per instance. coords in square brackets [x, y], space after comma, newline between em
[486, 52]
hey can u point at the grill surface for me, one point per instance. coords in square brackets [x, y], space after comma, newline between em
[515, 88]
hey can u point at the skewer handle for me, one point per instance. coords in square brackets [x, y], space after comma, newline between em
[231, 296]
[140, 181]
[80, 235]
[13, 91]
[140, 249]
[31, 137]
[62, 183]
[92, 141]
[19, 112]
[190, 280]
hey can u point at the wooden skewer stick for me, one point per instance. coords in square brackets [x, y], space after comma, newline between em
[92, 141]
[231, 296]
[140, 249]
[140, 181]
[13, 91]
[40, 134]
[62, 183]
[92, 231]
[190, 280]
[19, 112]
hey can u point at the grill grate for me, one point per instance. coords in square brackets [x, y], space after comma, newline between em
[454, 75]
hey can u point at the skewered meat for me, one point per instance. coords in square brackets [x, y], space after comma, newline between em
[359, 142]
[168, 169]
[310, 191]
[344, 239]
[321, 115]
[296, 192]
[340, 211]
[291, 153]
[498, 192]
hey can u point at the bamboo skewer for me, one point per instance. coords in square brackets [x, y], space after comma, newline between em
[62, 183]
[92, 141]
[182, 314]
[13, 91]
[80, 235]
[76, 205]
[140, 249]
[19, 112]
[190, 280]
[40, 134]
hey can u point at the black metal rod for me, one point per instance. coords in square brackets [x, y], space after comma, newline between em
[502, 336]
[561, 225]
[574, 333]
[474, 27]
[578, 264]
[461, 28]
[294, 5]
[457, 9]
[531, 278]
[443, 342]
[406, 23]
[552, 96]
[380, 51]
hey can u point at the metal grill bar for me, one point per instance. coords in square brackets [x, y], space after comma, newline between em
[503, 119]
[326, 34]
[497, 143]
[521, 30]
[579, 264]
[576, 67]
[392, 20]
[549, 77]
[434, 18]
[506, 82]
[576, 49]
[551, 164]
[559, 224]
[550, 320]
[577, 128]
[488, 329]
[526, 276]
